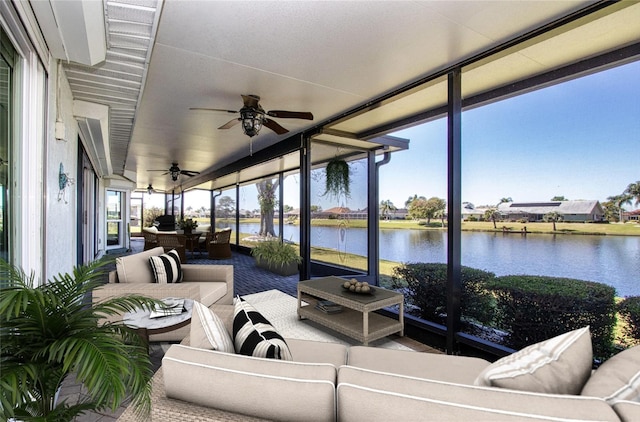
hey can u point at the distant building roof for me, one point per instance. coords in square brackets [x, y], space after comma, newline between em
[561, 207]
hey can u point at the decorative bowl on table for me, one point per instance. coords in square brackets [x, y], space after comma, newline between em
[357, 287]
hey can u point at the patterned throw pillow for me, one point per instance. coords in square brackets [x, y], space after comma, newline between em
[617, 379]
[560, 365]
[253, 334]
[208, 330]
[166, 267]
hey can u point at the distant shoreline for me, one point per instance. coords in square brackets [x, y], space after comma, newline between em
[595, 229]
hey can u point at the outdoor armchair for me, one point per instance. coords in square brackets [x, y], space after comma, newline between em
[219, 244]
[174, 241]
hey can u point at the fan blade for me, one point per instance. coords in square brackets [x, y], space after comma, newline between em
[165, 171]
[274, 126]
[189, 173]
[251, 101]
[212, 109]
[230, 123]
[290, 114]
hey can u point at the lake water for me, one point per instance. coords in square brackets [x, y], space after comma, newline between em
[613, 260]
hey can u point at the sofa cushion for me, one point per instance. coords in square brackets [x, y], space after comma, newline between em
[617, 379]
[210, 291]
[136, 268]
[267, 388]
[628, 411]
[208, 330]
[560, 365]
[365, 395]
[253, 334]
[459, 369]
[166, 267]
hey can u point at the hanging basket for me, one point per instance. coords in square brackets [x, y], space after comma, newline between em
[337, 179]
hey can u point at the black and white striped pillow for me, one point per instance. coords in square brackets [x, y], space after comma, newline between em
[253, 334]
[166, 267]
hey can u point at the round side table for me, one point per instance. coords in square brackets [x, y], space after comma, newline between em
[145, 326]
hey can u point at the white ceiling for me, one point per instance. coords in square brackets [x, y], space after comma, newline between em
[323, 57]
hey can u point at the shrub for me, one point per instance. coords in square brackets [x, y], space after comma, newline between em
[426, 288]
[536, 308]
[629, 309]
[275, 252]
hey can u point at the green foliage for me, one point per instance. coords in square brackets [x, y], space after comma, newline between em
[225, 207]
[276, 253]
[187, 224]
[337, 179]
[150, 215]
[421, 208]
[629, 309]
[48, 332]
[535, 308]
[426, 287]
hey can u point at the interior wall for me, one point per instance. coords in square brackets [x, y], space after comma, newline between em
[60, 215]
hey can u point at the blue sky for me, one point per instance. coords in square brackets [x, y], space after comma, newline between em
[579, 139]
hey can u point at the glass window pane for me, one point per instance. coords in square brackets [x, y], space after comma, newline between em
[413, 229]
[539, 169]
[339, 218]
[6, 82]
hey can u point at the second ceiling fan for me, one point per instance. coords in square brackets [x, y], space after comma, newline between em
[175, 172]
[253, 116]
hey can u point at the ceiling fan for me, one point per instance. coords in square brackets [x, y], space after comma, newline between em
[175, 172]
[253, 116]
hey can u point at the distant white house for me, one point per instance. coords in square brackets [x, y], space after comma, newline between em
[470, 211]
[576, 211]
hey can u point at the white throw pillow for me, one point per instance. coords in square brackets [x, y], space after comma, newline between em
[208, 330]
[560, 365]
[166, 267]
[617, 379]
[253, 334]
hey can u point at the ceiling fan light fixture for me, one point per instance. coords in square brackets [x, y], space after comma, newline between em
[251, 121]
[149, 189]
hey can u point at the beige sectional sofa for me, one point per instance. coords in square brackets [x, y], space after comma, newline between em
[207, 284]
[329, 382]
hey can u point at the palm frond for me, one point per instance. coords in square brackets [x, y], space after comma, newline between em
[47, 331]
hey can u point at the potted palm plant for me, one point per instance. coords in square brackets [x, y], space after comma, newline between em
[276, 256]
[48, 332]
[188, 225]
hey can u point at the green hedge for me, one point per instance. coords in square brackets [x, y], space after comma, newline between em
[425, 286]
[629, 309]
[536, 308]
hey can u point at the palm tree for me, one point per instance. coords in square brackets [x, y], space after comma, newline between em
[385, 207]
[48, 332]
[553, 216]
[505, 200]
[492, 214]
[634, 191]
[621, 200]
[415, 197]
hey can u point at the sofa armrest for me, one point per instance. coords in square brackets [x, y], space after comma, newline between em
[155, 291]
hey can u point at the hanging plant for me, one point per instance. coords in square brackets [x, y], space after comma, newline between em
[337, 178]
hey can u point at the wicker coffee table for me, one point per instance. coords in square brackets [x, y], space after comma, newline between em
[357, 319]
